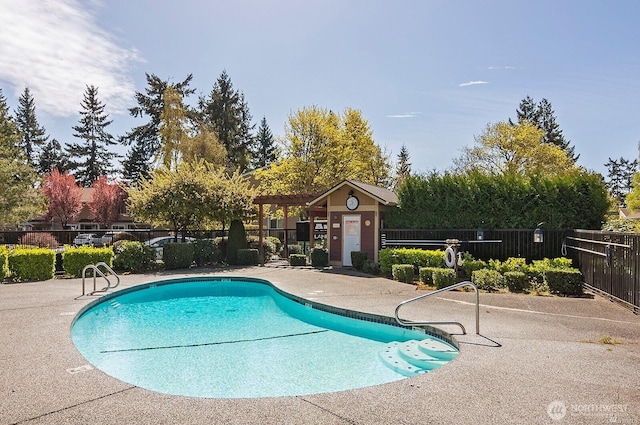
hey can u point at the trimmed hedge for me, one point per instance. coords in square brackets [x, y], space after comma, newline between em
[358, 259]
[371, 267]
[267, 244]
[236, 240]
[298, 260]
[488, 279]
[133, 256]
[563, 281]
[177, 255]
[32, 264]
[403, 273]
[416, 257]
[443, 277]
[319, 257]
[426, 275]
[205, 252]
[76, 259]
[516, 281]
[4, 262]
[248, 257]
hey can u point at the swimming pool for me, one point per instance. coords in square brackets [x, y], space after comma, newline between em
[242, 337]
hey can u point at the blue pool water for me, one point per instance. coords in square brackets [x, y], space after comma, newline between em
[230, 338]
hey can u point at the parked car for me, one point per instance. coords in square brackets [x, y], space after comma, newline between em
[158, 244]
[86, 239]
[110, 237]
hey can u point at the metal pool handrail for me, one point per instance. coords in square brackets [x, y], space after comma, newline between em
[448, 288]
[95, 268]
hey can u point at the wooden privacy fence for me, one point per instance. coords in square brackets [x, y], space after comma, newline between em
[609, 261]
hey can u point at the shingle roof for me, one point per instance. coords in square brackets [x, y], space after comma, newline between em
[381, 194]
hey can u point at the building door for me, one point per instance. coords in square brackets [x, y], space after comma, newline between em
[350, 237]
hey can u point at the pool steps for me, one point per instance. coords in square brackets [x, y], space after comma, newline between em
[413, 357]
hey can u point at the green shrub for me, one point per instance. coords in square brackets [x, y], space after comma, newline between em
[205, 252]
[32, 264]
[76, 259]
[515, 281]
[536, 271]
[277, 244]
[4, 262]
[248, 257]
[426, 275]
[267, 244]
[371, 267]
[563, 281]
[133, 256]
[237, 240]
[358, 258]
[488, 279]
[403, 273]
[470, 264]
[443, 277]
[416, 257]
[177, 255]
[319, 257]
[511, 264]
[294, 249]
[298, 260]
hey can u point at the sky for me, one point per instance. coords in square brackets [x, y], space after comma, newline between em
[427, 74]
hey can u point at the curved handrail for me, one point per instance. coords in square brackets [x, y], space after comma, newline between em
[96, 269]
[448, 288]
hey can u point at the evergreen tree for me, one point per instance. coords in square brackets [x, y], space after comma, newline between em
[542, 116]
[226, 112]
[403, 169]
[52, 156]
[93, 155]
[32, 134]
[19, 201]
[145, 139]
[265, 150]
[620, 177]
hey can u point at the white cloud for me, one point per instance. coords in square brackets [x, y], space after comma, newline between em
[472, 83]
[502, 67]
[56, 48]
[405, 115]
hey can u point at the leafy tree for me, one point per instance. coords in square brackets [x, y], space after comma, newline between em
[204, 145]
[192, 196]
[226, 112]
[32, 135]
[265, 149]
[172, 129]
[106, 201]
[52, 156]
[145, 139]
[94, 157]
[64, 196]
[633, 198]
[322, 149]
[19, 201]
[620, 174]
[510, 149]
[542, 116]
[403, 169]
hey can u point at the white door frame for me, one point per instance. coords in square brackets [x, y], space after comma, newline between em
[350, 242]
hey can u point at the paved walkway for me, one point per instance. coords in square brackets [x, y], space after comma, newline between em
[534, 354]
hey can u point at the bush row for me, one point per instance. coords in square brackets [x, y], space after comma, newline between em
[413, 256]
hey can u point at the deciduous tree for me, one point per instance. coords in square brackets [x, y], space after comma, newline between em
[92, 157]
[106, 201]
[64, 197]
[508, 149]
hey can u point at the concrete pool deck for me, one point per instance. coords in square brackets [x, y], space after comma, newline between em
[534, 354]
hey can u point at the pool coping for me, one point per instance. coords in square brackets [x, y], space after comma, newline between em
[545, 351]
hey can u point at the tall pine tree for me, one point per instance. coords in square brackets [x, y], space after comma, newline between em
[226, 112]
[542, 116]
[145, 139]
[620, 178]
[403, 168]
[265, 151]
[92, 157]
[32, 135]
[52, 156]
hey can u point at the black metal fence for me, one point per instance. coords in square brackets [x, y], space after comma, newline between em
[609, 262]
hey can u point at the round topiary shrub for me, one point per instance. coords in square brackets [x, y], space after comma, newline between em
[133, 256]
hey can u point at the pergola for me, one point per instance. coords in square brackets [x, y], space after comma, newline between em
[284, 201]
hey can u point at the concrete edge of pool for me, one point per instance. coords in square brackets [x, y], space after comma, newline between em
[549, 355]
